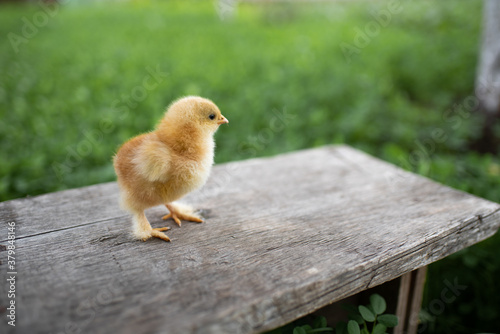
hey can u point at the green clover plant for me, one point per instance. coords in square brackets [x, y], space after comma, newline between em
[319, 326]
[368, 319]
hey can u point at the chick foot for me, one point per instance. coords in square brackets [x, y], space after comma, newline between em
[181, 212]
[154, 233]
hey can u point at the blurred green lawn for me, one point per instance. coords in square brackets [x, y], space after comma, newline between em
[76, 90]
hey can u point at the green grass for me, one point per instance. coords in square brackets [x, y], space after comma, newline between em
[64, 109]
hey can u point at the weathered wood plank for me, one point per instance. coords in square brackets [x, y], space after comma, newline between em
[411, 291]
[62, 210]
[404, 299]
[283, 236]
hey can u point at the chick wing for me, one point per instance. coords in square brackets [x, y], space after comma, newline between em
[152, 159]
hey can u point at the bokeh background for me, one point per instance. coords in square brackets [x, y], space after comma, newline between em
[78, 78]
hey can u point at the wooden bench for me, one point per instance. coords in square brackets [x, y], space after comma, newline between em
[284, 236]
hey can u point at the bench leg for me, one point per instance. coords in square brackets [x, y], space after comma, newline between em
[411, 290]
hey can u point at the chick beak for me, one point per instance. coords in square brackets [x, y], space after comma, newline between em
[223, 120]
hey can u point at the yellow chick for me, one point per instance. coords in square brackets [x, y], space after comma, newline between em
[162, 166]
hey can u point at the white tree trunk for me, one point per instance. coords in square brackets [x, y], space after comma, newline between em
[488, 76]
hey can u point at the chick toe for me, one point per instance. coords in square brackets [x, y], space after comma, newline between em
[177, 214]
[161, 228]
[157, 234]
[143, 231]
[174, 217]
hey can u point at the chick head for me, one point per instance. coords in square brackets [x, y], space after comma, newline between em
[196, 110]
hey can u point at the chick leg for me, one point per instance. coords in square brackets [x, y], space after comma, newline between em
[144, 231]
[181, 212]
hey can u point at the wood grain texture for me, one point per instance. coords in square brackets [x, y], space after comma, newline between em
[283, 237]
[411, 291]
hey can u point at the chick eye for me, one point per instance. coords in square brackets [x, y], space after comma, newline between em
[212, 116]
